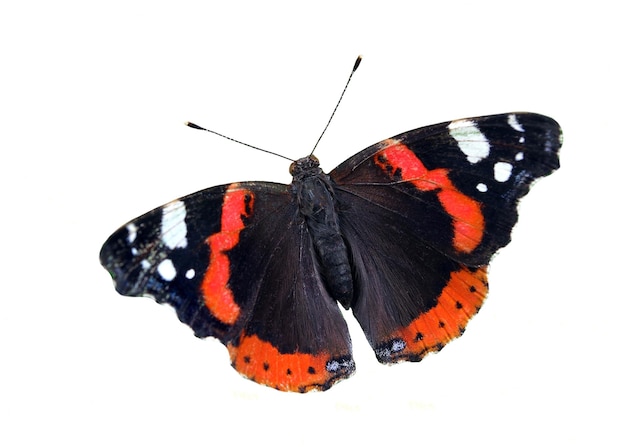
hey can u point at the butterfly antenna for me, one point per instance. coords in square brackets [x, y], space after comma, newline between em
[356, 65]
[195, 126]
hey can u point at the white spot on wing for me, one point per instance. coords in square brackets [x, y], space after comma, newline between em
[189, 274]
[332, 366]
[481, 187]
[145, 264]
[398, 345]
[132, 232]
[502, 171]
[335, 365]
[167, 270]
[470, 139]
[514, 123]
[519, 156]
[173, 226]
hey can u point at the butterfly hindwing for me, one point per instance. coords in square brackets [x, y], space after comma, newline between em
[295, 338]
[423, 213]
[410, 298]
[218, 258]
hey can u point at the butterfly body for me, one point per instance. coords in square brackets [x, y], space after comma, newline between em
[401, 233]
[315, 196]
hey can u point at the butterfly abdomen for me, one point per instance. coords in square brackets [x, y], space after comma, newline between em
[315, 197]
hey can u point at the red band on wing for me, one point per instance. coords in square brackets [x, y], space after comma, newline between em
[467, 218]
[261, 362]
[459, 301]
[219, 299]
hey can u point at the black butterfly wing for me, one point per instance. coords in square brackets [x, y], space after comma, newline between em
[235, 262]
[424, 212]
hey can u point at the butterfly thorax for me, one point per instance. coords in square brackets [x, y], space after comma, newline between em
[315, 197]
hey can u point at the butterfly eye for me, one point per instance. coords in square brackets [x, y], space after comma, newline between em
[292, 168]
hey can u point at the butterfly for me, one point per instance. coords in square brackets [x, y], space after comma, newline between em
[400, 233]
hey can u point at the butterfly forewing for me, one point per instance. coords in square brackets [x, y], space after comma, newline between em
[458, 182]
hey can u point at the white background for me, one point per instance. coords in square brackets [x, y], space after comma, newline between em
[93, 97]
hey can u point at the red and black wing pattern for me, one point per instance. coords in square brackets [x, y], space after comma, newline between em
[422, 214]
[235, 262]
[416, 219]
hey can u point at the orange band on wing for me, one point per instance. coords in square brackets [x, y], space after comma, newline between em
[261, 362]
[459, 301]
[219, 299]
[467, 218]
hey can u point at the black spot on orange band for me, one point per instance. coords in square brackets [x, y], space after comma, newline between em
[431, 331]
[262, 362]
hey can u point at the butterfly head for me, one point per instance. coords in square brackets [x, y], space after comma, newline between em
[305, 167]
